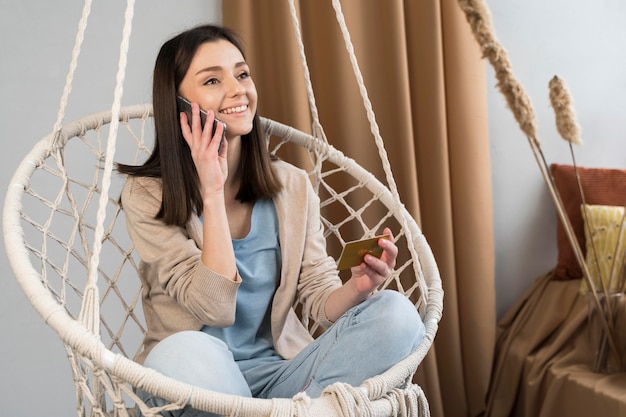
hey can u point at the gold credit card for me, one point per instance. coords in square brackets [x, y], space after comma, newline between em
[354, 252]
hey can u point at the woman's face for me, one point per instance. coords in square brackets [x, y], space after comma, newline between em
[219, 79]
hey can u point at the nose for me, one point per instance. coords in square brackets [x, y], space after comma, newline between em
[234, 87]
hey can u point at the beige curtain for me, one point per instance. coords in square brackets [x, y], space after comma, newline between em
[426, 82]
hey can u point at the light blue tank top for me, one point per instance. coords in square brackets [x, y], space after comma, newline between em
[258, 260]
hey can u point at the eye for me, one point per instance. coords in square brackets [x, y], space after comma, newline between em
[244, 74]
[211, 81]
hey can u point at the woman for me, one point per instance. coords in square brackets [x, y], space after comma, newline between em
[230, 240]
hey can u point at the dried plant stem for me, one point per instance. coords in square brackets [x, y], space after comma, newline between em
[618, 250]
[568, 128]
[602, 357]
[622, 274]
[586, 222]
[613, 305]
[479, 18]
[610, 307]
[571, 236]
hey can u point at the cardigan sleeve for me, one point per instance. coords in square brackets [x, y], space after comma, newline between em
[171, 259]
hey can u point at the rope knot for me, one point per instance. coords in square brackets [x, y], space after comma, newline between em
[349, 401]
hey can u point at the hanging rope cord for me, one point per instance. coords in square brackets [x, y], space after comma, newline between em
[318, 131]
[80, 36]
[90, 308]
[351, 401]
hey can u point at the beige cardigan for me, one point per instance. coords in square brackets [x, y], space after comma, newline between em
[181, 293]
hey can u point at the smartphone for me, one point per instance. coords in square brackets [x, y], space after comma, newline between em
[185, 105]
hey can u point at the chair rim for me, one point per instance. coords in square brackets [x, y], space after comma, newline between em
[78, 337]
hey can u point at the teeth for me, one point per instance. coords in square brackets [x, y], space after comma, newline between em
[237, 109]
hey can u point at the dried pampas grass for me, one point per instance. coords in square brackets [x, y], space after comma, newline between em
[519, 103]
[479, 19]
[561, 101]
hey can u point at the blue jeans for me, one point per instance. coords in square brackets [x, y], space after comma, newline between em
[366, 341]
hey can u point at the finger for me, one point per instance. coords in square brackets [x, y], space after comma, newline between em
[207, 129]
[185, 128]
[201, 133]
[387, 231]
[220, 138]
[375, 273]
[215, 136]
[189, 127]
[196, 120]
[373, 267]
[224, 147]
[390, 250]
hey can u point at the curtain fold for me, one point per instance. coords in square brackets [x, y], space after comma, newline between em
[426, 81]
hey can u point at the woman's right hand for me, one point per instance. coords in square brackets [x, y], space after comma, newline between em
[212, 168]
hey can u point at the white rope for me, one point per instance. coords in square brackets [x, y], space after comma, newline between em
[376, 132]
[90, 302]
[371, 117]
[351, 399]
[368, 108]
[318, 130]
[409, 402]
[80, 35]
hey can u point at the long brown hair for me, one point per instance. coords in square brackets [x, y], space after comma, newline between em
[171, 157]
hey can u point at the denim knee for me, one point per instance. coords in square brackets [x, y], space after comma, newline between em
[398, 317]
[198, 359]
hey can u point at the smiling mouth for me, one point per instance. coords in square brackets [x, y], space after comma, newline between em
[233, 110]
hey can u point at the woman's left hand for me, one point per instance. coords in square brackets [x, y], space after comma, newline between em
[374, 271]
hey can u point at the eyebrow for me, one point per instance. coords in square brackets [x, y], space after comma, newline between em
[218, 68]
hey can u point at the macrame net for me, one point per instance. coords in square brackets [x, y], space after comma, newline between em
[66, 239]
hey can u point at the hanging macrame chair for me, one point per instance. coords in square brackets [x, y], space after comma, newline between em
[63, 197]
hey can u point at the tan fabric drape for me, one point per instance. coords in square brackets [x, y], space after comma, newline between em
[543, 358]
[426, 82]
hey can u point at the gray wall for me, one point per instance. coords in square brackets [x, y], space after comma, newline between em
[36, 41]
[583, 44]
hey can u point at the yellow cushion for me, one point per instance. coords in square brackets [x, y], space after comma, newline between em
[602, 235]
